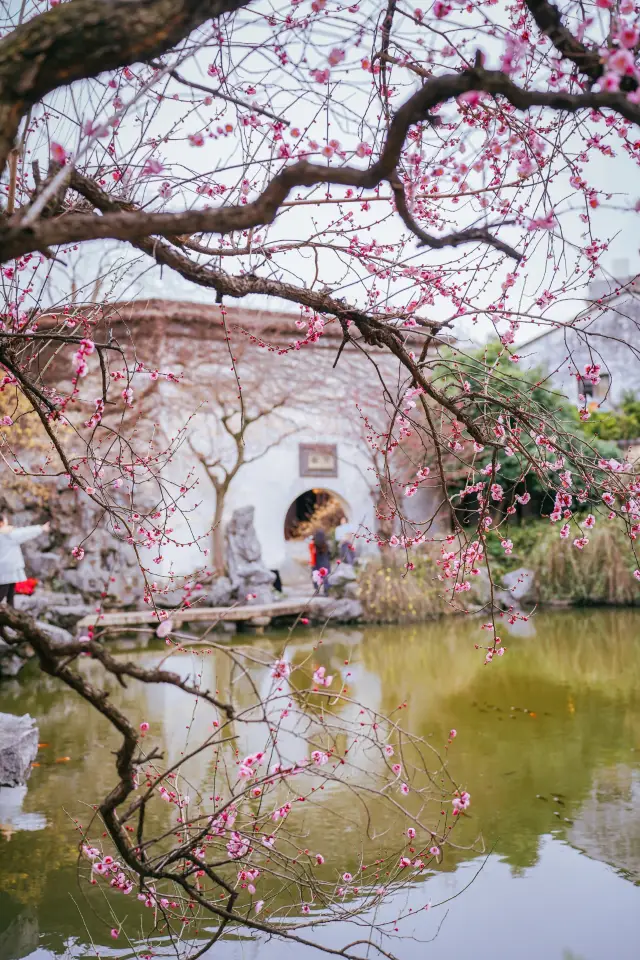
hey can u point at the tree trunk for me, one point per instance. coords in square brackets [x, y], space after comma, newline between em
[217, 537]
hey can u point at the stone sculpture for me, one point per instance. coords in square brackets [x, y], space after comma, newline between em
[252, 582]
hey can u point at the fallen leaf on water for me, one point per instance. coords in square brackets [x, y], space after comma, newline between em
[62, 759]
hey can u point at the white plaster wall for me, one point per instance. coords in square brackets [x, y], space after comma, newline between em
[270, 484]
[613, 339]
[321, 410]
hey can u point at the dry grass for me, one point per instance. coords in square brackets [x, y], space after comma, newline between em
[391, 594]
[602, 573]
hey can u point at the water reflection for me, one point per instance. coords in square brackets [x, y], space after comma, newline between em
[547, 744]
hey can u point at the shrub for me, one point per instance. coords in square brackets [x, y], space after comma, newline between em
[390, 593]
[602, 573]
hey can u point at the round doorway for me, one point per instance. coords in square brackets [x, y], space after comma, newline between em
[316, 509]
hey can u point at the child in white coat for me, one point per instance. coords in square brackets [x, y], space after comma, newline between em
[11, 560]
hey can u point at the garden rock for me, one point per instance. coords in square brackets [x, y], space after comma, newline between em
[519, 587]
[351, 590]
[18, 748]
[170, 600]
[43, 566]
[11, 663]
[43, 600]
[68, 616]
[220, 593]
[340, 577]
[109, 564]
[341, 610]
[94, 575]
[346, 611]
[57, 635]
[247, 572]
[481, 587]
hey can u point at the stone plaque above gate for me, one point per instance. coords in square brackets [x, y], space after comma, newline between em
[318, 460]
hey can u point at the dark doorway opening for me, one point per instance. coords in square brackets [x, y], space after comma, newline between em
[313, 509]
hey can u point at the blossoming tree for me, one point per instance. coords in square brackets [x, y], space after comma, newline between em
[400, 173]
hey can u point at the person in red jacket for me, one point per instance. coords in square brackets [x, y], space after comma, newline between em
[321, 560]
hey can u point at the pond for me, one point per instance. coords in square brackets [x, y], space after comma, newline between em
[548, 745]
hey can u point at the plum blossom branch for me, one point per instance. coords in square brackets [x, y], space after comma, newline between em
[127, 226]
[81, 40]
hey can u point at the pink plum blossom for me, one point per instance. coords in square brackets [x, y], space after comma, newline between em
[321, 679]
[281, 670]
[58, 153]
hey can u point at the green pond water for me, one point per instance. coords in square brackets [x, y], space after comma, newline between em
[548, 745]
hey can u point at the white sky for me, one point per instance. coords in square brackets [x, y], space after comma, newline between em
[351, 117]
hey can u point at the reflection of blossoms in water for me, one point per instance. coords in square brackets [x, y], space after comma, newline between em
[259, 799]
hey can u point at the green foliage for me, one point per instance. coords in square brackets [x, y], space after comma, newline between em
[622, 424]
[500, 383]
[526, 538]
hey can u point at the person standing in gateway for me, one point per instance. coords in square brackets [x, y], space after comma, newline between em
[345, 535]
[11, 560]
[321, 558]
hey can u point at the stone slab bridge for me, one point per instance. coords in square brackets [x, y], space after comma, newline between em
[256, 615]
